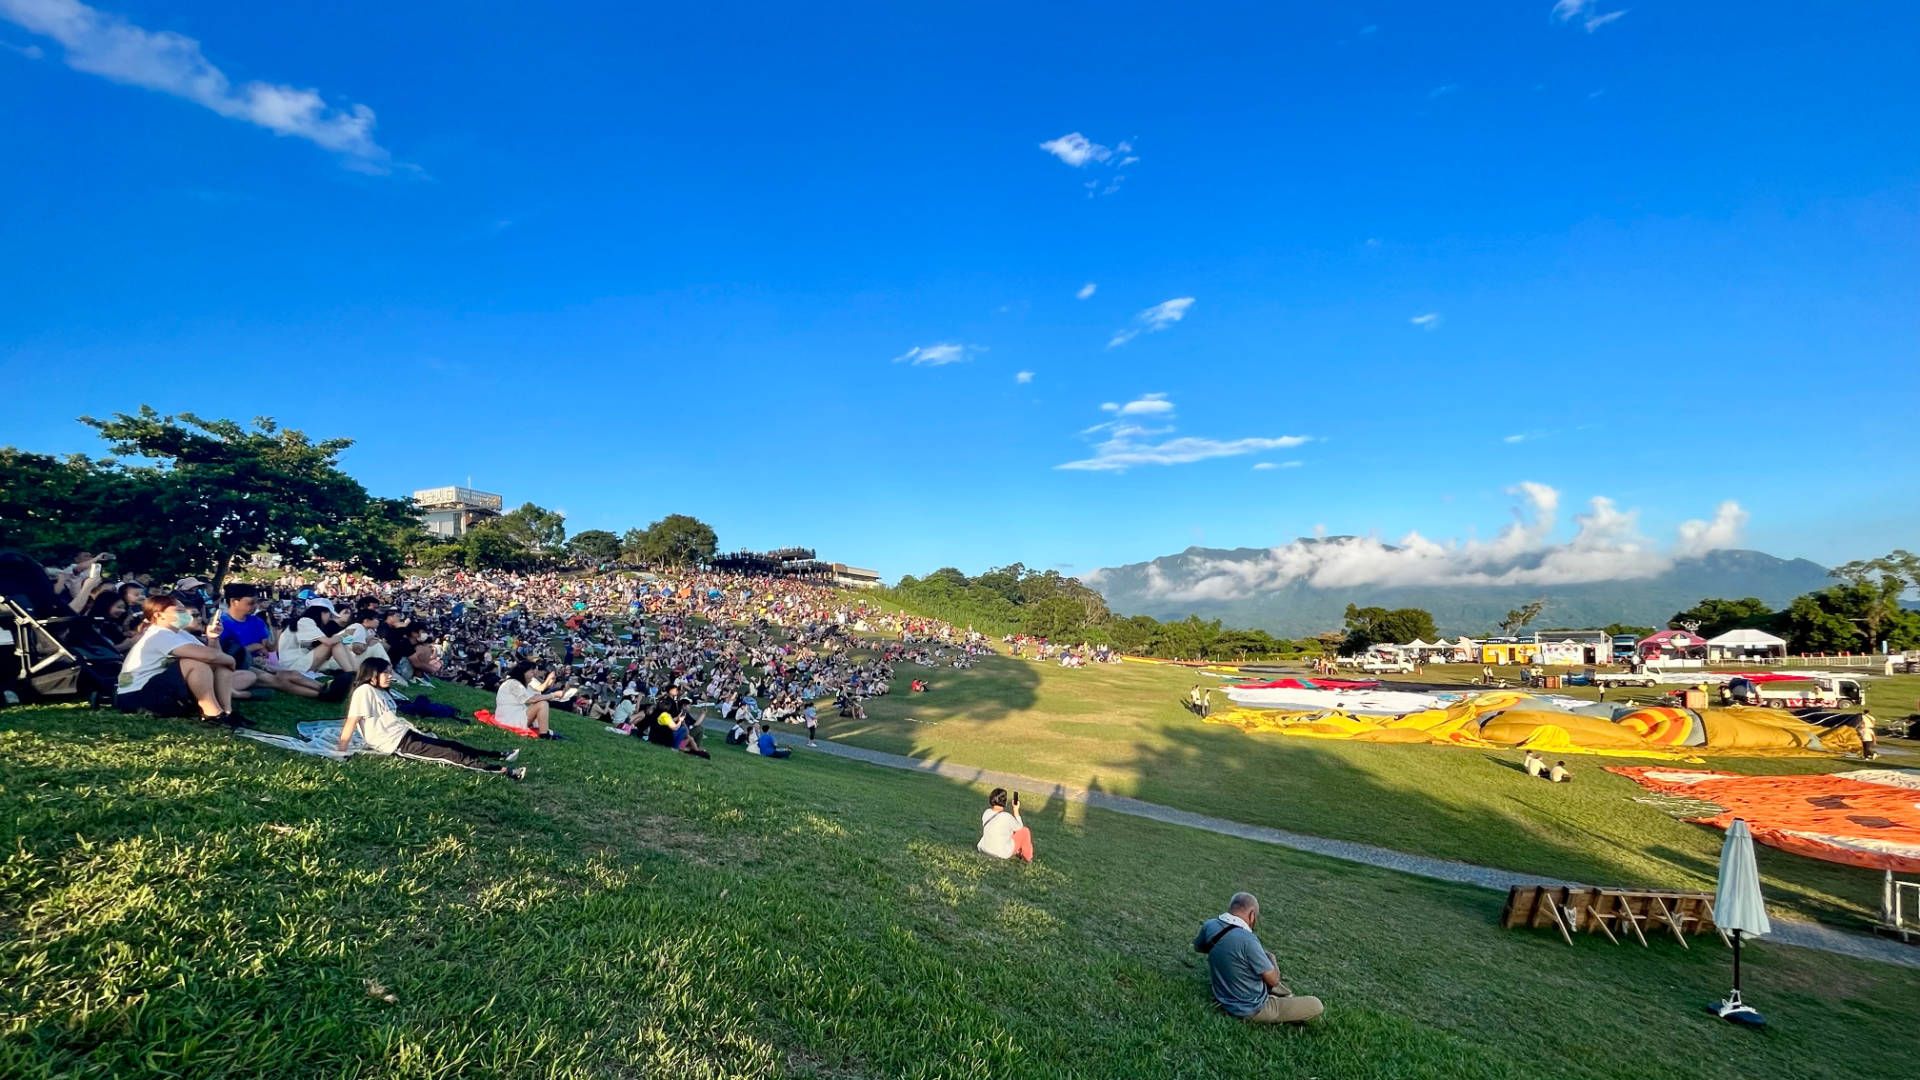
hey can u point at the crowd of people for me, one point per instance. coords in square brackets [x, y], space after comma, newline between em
[1042, 651]
[649, 656]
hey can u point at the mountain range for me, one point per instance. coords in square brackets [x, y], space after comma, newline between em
[1251, 587]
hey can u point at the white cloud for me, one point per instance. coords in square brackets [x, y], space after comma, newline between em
[1264, 466]
[1086, 291]
[1430, 321]
[1076, 149]
[1155, 404]
[947, 352]
[1152, 320]
[1023, 377]
[1513, 439]
[1443, 90]
[1607, 545]
[1699, 537]
[109, 46]
[1126, 442]
[31, 52]
[1586, 13]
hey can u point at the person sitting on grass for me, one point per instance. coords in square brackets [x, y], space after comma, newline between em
[1534, 764]
[169, 672]
[516, 704]
[1002, 834]
[1245, 976]
[241, 633]
[370, 712]
[1559, 774]
[766, 747]
[314, 642]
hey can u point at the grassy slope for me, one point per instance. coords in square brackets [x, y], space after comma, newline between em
[1121, 729]
[176, 902]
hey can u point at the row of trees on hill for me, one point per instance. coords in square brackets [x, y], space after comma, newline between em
[1043, 603]
[1861, 610]
[182, 494]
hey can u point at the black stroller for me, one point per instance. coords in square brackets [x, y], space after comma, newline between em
[46, 652]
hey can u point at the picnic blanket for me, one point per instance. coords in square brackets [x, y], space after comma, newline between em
[318, 738]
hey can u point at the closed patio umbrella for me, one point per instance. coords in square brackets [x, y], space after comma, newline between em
[1739, 910]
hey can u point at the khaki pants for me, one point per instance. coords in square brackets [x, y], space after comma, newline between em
[1282, 1007]
[1286, 1009]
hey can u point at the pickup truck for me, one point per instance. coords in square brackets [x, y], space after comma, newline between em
[1817, 692]
[1376, 665]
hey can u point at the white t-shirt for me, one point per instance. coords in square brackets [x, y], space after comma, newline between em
[997, 827]
[510, 703]
[151, 654]
[379, 724]
[296, 645]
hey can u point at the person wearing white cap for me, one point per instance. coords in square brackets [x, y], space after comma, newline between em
[309, 647]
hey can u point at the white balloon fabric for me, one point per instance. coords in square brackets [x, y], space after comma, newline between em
[1737, 904]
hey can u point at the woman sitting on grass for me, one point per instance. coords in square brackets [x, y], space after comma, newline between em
[1002, 834]
[517, 704]
[371, 713]
[315, 642]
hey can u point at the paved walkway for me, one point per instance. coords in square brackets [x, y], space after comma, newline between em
[1797, 932]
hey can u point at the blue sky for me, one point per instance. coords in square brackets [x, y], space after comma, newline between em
[782, 267]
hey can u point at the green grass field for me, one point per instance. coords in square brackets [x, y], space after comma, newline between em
[176, 902]
[1121, 729]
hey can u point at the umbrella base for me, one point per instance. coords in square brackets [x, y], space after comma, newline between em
[1735, 1011]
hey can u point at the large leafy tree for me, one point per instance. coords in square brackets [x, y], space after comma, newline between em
[678, 540]
[539, 532]
[1370, 626]
[1880, 583]
[594, 546]
[1713, 617]
[219, 490]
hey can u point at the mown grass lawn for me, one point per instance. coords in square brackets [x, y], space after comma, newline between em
[176, 902]
[1121, 729]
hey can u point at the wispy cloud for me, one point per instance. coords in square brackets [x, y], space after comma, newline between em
[947, 352]
[1078, 151]
[1443, 90]
[1585, 14]
[104, 44]
[1125, 442]
[1023, 377]
[1086, 291]
[1606, 545]
[1430, 321]
[1267, 466]
[31, 52]
[1154, 319]
[1155, 404]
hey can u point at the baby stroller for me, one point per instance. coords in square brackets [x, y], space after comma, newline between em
[46, 651]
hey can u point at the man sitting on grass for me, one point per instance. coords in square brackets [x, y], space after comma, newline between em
[1246, 979]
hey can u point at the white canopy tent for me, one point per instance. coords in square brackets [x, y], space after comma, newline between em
[1742, 644]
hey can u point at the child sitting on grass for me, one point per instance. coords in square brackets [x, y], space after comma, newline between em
[371, 713]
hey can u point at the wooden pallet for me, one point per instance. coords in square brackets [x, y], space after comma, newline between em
[1613, 912]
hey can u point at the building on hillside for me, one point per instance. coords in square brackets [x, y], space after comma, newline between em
[853, 577]
[451, 511]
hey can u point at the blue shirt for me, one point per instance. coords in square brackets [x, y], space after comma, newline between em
[766, 743]
[241, 633]
[1236, 966]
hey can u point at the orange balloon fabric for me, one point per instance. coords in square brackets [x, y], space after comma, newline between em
[1868, 817]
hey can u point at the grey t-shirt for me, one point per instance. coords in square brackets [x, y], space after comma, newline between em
[1235, 966]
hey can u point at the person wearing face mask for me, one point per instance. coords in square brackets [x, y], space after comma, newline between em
[169, 672]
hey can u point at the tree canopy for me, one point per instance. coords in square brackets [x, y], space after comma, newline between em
[200, 495]
[674, 540]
